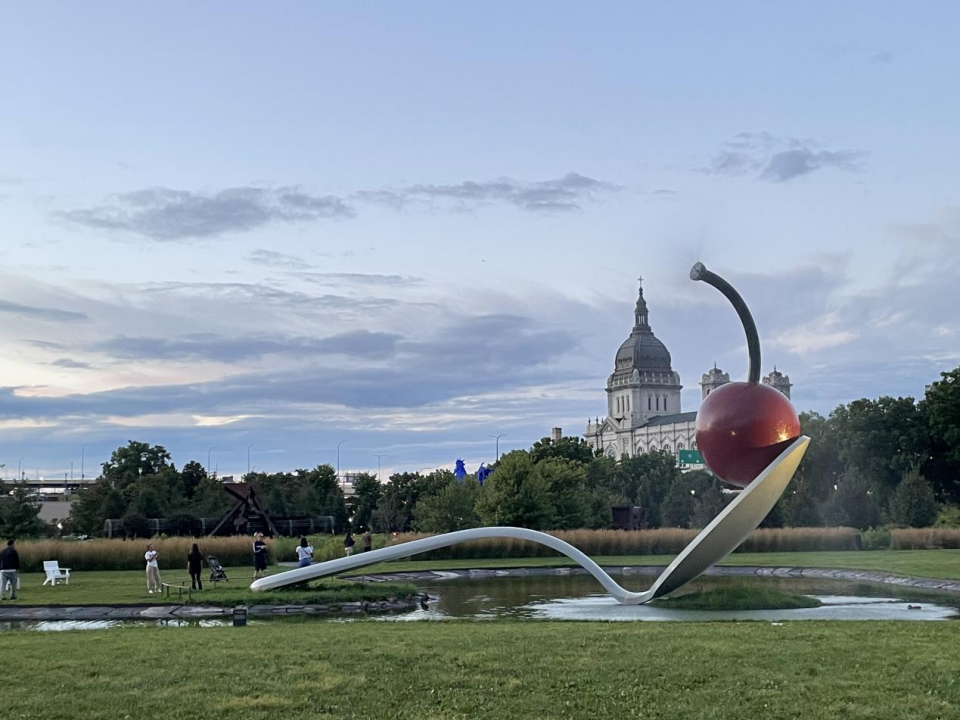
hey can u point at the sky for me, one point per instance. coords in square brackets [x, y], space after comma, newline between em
[404, 228]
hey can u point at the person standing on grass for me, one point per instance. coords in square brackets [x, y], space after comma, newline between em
[304, 553]
[348, 543]
[367, 540]
[9, 567]
[259, 556]
[195, 567]
[153, 569]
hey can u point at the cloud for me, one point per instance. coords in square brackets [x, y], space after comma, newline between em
[169, 215]
[279, 260]
[774, 159]
[70, 364]
[360, 279]
[564, 194]
[40, 313]
[220, 348]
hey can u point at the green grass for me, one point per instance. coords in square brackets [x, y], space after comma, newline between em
[880, 671]
[918, 563]
[128, 587]
[739, 597]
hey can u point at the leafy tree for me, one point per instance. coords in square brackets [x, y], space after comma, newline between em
[450, 509]
[515, 495]
[18, 515]
[677, 507]
[192, 474]
[941, 411]
[853, 503]
[210, 500]
[94, 505]
[707, 504]
[882, 439]
[566, 448]
[913, 503]
[367, 491]
[135, 460]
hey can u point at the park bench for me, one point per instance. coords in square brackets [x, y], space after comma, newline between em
[55, 573]
[180, 587]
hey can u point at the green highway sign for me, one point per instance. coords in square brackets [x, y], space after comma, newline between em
[690, 457]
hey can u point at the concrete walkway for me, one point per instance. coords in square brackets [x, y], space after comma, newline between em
[191, 612]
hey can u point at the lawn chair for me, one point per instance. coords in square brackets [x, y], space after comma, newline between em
[55, 572]
[217, 573]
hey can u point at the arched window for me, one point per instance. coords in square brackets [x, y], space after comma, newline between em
[612, 452]
[666, 447]
[679, 446]
[649, 401]
[658, 402]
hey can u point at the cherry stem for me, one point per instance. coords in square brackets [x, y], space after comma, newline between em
[700, 272]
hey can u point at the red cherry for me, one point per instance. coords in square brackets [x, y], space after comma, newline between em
[742, 427]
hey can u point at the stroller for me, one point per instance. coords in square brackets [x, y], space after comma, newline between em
[217, 573]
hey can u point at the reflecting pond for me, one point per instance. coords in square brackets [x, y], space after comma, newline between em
[579, 597]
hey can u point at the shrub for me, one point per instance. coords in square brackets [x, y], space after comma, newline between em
[135, 526]
[876, 538]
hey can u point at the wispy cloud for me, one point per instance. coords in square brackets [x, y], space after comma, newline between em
[279, 260]
[163, 214]
[768, 157]
[564, 194]
[70, 364]
[41, 313]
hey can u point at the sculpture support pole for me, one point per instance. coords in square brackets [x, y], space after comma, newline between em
[716, 541]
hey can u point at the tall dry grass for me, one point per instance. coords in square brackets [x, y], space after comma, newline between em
[925, 539]
[116, 554]
[663, 541]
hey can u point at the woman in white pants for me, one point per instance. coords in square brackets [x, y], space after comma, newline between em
[153, 569]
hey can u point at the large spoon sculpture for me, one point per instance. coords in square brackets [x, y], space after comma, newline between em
[737, 429]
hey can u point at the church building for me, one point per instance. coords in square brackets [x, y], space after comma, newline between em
[643, 397]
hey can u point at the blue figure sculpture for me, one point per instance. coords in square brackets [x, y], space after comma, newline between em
[460, 472]
[483, 473]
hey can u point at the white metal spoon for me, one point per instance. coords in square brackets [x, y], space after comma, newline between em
[717, 540]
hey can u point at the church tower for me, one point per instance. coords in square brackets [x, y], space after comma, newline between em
[711, 380]
[643, 384]
[778, 381]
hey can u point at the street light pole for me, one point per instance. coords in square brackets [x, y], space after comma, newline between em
[19, 472]
[497, 438]
[378, 464]
[338, 459]
[248, 456]
[208, 458]
[82, 450]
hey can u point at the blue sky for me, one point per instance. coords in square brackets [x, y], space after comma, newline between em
[412, 226]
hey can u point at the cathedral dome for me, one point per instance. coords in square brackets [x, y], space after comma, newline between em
[642, 350]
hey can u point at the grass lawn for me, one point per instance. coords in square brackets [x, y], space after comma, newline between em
[487, 670]
[919, 563]
[129, 587]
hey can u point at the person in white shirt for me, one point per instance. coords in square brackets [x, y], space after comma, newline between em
[153, 569]
[304, 553]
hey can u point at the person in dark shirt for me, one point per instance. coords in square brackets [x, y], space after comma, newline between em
[195, 567]
[259, 556]
[367, 541]
[348, 543]
[9, 567]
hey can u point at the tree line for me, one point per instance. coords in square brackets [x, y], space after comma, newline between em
[871, 462]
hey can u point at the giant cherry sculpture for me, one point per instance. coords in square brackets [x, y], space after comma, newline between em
[743, 426]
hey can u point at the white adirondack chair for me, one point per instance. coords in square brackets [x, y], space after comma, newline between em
[55, 572]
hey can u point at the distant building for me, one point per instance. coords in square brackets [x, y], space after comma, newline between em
[643, 397]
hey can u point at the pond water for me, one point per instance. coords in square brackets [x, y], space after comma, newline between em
[579, 597]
